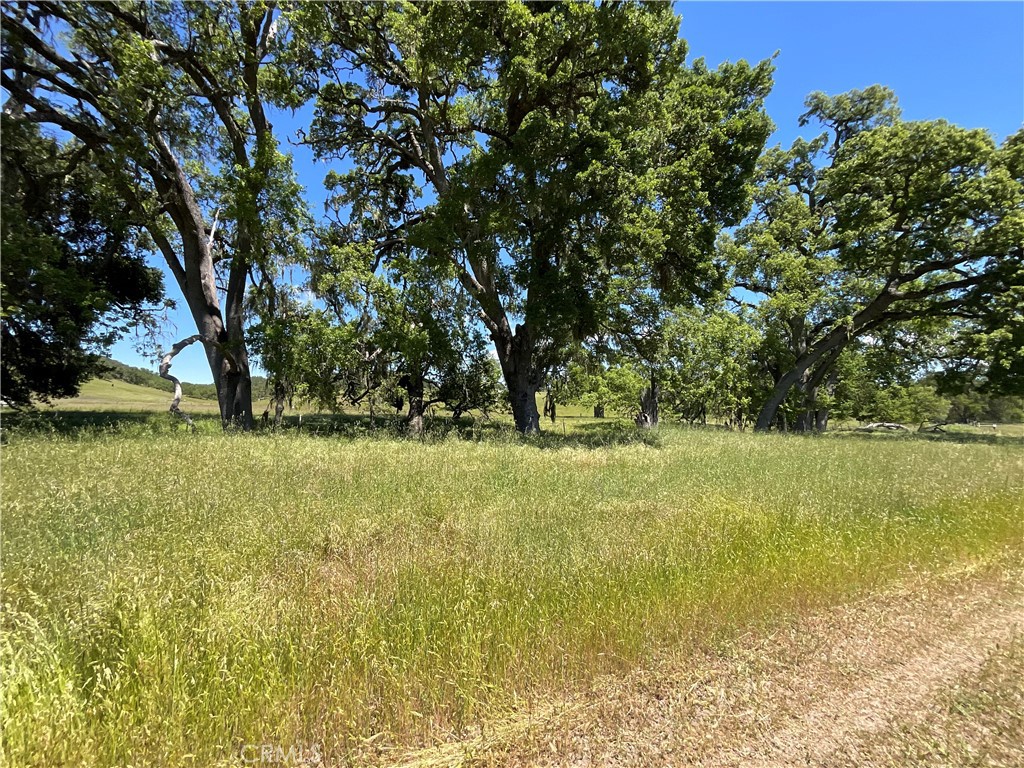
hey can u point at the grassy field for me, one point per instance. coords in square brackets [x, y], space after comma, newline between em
[171, 598]
[116, 395]
[121, 405]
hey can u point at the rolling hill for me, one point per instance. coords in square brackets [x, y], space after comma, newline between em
[117, 395]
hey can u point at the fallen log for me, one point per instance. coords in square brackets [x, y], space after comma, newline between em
[887, 426]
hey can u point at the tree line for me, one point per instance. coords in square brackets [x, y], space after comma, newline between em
[524, 198]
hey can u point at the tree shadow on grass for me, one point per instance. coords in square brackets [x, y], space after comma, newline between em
[470, 429]
[98, 424]
[597, 434]
[953, 436]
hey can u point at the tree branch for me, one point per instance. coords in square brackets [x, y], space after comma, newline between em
[165, 373]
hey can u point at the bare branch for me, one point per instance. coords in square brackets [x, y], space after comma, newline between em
[165, 373]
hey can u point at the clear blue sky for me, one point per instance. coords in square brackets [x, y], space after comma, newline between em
[961, 61]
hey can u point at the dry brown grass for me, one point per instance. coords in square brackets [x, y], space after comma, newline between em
[977, 720]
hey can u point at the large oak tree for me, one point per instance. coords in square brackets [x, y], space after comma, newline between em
[875, 222]
[170, 101]
[531, 149]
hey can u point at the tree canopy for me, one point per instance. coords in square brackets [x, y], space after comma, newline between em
[73, 272]
[169, 102]
[523, 196]
[530, 151]
[876, 221]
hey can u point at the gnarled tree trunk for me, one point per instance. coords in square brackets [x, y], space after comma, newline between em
[165, 373]
[550, 406]
[516, 357]
[822, 354]
[648, 416]
[415, 387]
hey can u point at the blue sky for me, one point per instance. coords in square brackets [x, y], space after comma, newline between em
[961, 61]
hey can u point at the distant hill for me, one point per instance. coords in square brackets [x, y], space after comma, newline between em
[122, 396]
[114, 370]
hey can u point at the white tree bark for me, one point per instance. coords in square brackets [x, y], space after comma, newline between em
[165, 368]
[883, 425]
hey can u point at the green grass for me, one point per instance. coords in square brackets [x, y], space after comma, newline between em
[121, 398]
[116, 395]
[171, 597]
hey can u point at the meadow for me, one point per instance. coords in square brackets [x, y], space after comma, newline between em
[170, 598]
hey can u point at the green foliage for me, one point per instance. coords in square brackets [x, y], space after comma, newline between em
[875, 222]
[987, 351]
[594, 384]
[73, 273]
[707, 368]
[914, 404]
[170, 100]
[972, 405]
[531, 155]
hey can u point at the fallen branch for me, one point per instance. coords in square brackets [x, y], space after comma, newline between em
[883, 425]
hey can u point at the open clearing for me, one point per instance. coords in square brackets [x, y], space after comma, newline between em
[116, 395]
[374, 597]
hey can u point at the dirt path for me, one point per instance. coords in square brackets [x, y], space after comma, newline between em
[873, 683]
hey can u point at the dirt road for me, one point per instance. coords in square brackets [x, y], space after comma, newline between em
[928, 673]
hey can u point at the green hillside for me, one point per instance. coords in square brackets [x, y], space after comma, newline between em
[116, 395]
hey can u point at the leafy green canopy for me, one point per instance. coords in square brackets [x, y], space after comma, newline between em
[530, 150]
[874, 222]
[73, 271]
[171, 100]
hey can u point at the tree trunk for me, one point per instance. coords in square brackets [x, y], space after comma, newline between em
[798, 375]
[829, 349]
[648, 416]
[804, 421]
[805, 417]
[815, 418]
[550, 407]
[821, 420]
[279, 400]
[522, 393]
[165, 373]
[783, 423]
[197, 278]
[414, 386]
[228, 362]
[599, 411]
[414, 422]
[516, 357]
[241, 379]
[770, 410]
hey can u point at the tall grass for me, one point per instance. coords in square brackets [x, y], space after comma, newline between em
[170, 598]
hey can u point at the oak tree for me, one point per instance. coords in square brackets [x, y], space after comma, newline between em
[874, 222]
[532, 148]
